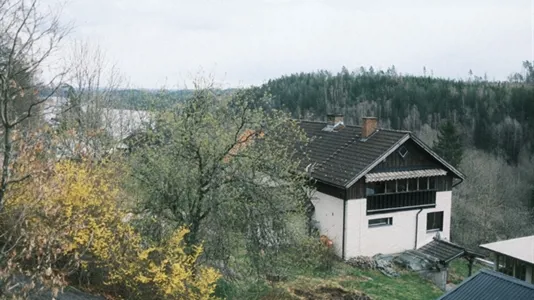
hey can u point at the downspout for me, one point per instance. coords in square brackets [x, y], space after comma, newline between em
[416, 227]
[343, 234]
[461, 180]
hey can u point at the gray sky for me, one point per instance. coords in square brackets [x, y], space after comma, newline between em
[165, 42]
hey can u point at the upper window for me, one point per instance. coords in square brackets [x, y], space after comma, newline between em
[434, 221]
[412, 184]
[406, 185]
[402, 185]
[423, 184]
[391, 186]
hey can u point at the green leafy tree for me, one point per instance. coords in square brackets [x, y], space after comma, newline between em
[224, 166]
[449, 145]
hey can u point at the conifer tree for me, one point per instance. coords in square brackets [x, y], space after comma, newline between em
[449, 145]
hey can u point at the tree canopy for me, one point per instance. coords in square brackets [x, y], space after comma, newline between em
[222, 165]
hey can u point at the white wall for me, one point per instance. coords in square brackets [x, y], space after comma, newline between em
[329, 214]
[443, 203]
[362, 240]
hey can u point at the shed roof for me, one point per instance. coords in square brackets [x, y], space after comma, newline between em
[520, 248]
[491, 285]
[443, 250]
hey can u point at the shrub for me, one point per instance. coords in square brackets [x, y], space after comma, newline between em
[68, 221]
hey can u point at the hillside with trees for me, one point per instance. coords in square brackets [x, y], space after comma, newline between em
[492, 115]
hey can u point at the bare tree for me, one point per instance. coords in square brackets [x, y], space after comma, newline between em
[29, 38]
[492, 203]
[88, 119]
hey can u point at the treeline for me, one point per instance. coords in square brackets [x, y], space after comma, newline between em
[152, 99]
[495, 116]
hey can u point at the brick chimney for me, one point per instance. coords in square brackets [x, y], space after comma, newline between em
[369, 126]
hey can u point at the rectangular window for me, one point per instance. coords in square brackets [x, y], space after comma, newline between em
[391, 186]
[434, 221]
[380, 222]
[412, 184]
[432, 183]
[373, 188]
[402, 185]
[423, 184]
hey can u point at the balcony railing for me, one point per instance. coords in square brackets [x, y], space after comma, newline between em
[383, 203]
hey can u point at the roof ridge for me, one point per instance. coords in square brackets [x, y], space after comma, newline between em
[357, 126]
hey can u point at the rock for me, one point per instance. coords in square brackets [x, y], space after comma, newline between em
[362, 262]
[384, 264]
[414, 261]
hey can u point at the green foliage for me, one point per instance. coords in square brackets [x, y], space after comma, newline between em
[449, 144]
[459, 270]
[223, 167]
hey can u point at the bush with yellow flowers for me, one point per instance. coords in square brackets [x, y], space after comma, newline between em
[67, 220]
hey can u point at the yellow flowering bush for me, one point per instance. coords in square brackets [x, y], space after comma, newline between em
[67, 220]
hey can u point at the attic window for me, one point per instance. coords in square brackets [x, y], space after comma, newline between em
[402, 151]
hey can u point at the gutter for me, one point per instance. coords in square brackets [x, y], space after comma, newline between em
[416, 227]
[461, 180]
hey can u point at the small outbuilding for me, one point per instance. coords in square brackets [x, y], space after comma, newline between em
[514, 257]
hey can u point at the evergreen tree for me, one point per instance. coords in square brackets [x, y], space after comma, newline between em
[449, 145]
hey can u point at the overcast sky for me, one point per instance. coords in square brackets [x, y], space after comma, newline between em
[164, 42]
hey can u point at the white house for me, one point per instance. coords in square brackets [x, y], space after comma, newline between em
[378, 190]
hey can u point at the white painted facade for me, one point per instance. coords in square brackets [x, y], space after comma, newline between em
[329, 215]
[360, 239]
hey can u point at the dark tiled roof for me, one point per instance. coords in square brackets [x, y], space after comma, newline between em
[442, 250]
[491, 285]
[342, 155]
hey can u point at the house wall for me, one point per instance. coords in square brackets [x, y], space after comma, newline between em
[329, 215]
[362, 240]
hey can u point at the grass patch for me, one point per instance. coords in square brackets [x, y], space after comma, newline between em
[459, 270]
[409, 286]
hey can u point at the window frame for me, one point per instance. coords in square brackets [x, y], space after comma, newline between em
[388, 221]
[433, 221]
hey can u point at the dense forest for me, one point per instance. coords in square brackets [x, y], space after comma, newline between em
[493, 115]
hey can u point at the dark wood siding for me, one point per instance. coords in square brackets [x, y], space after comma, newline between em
[378, 204]
[416, 158]
[330, 190]
[357, 190]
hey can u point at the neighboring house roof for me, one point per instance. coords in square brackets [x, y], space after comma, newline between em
[520, 248]
[342, 157]
[445, 251]
[491, 285]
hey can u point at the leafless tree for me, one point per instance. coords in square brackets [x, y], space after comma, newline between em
[492, 203]
[89, 120]
[29, 38]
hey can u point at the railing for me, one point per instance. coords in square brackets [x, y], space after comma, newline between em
[383, 203]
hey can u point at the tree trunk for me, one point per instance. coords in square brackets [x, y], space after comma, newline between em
[5, 165]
